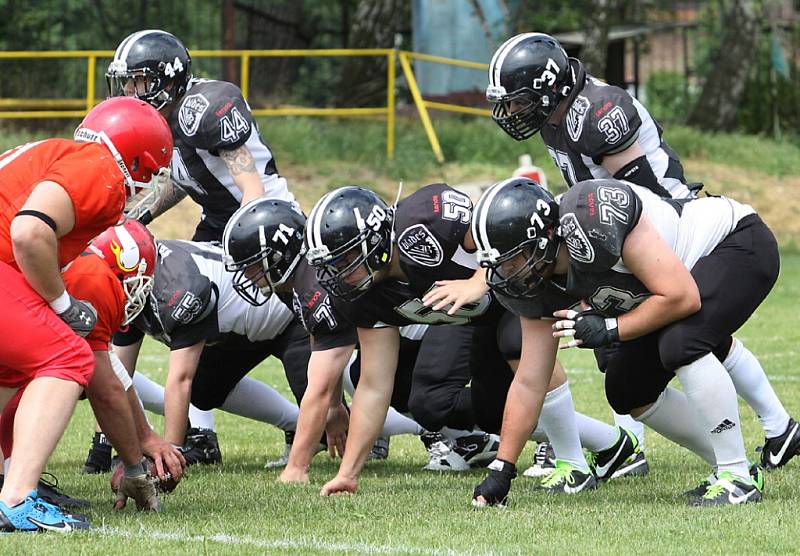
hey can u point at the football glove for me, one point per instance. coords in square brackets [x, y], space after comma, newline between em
[591, 328]
[494, 488]
[138, 485]
[81, 316]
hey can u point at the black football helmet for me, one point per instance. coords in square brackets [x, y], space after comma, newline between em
[531, 70]
[151, 65]
[514, 225]
[348, 228]
[263, 243]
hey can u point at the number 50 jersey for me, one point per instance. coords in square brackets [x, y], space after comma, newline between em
[430, 225]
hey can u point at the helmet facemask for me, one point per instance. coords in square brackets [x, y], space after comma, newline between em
[535, 263]
[137, 291]
[142, 83]
[254, 280]
[523, 123]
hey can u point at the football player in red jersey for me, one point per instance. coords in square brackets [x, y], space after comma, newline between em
[56, 195]
[115, 275]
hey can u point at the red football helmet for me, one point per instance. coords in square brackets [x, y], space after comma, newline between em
[130, 251]
[136, 134]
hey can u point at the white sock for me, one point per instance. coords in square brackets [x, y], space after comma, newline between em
[397, 423]
[538, 434]
[673, 418]
[255, 400]
[752, 385]
[6, 465]
[151, 394]
[710, 392]
[200, 419]
[559, 423]
[629, 423]
[595, 435]
[347, 380]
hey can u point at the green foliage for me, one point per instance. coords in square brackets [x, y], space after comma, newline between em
[667, 96]
[239, 508]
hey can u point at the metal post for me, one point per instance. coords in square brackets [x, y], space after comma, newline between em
[91, 63]
[390, 82]
[420, 103]
[244, 71]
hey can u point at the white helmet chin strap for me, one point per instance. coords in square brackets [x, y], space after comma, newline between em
[86, 134]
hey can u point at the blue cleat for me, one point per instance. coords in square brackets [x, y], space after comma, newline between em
[34, 514]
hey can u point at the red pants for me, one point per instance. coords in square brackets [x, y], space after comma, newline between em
[34, 342]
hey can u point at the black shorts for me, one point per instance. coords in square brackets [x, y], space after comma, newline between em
[733, 280]
[223, 364]
[407, 358]
[461, 377]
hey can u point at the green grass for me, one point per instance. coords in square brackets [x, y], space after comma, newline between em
[238, 508]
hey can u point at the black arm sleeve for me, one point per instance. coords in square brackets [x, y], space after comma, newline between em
[640, 172]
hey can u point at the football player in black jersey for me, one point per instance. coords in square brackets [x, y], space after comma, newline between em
[263, 244]
[415, 263]
[656, 287]
[591, 129]
[219, 159]
[215, 340]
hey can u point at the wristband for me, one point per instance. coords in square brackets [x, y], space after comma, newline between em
[61, 303]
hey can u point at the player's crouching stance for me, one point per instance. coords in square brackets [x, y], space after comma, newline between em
[56, 196]
[115, 275]
[662, 285]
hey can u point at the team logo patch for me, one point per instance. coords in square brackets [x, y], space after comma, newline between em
[575, 116]
[578, 244]
[192, 110]
[418, 244]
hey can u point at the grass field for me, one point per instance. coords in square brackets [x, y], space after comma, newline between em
[238, 508]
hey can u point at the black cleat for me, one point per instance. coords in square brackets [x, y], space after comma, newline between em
[567, 479]
[49, 492]
[730, 490]
[777, 451]
[201, 446]
[99, 458]
[606, 462]
[380, 450]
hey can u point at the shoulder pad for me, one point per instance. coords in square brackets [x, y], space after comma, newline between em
[431, 224]
[595, 218]
[213, 115]
[602, 120]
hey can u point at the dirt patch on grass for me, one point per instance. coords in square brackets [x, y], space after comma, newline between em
[776, 199]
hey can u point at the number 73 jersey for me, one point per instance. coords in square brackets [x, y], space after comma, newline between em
[596, 217]
[430, 225]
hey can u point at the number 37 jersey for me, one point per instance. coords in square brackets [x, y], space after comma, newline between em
[430, 225]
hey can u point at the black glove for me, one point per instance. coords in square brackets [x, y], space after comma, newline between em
[80, 316]
[494, 488]
[594, 330]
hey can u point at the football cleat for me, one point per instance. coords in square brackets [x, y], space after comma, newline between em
[380, 450]
[35, 514]
[544, 461]
[471, 450]
[567, 479]
[99, 458]
[606, 462]
[440, 453]
[730, 490]
[479, 449]
[777, 451]
[201, 446]
[283, 460]
[635, 466]
[756, 475]
[49, 492]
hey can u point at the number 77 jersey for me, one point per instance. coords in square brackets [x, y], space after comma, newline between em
[430, 226]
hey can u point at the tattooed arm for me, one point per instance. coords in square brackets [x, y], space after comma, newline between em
[242, 167]
[170, 196]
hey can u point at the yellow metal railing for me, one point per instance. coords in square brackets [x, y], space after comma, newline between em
[77, 108]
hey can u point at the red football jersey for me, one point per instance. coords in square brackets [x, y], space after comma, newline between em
[86, 171]
[89, 278]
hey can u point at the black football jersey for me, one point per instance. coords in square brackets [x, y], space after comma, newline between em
[601, 120]
[313, 308]
[430, 225]
[193, 300]
[210, 117]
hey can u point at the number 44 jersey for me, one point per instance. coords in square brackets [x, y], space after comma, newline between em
[430, 225]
